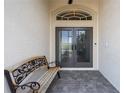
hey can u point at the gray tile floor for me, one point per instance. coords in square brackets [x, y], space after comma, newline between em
[81, 82]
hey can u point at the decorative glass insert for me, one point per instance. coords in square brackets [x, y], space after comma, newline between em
[73, 15]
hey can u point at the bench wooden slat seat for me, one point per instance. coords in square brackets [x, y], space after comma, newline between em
[48, 79]
[34, 76]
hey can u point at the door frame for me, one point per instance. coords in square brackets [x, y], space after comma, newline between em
[92, 23]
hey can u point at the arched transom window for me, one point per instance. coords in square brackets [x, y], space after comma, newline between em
[73, 15]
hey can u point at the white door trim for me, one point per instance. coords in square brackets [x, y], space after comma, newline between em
[94, 23]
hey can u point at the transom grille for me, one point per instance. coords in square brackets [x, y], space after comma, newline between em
[73, 15]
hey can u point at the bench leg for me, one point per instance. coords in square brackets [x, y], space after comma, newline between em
[58, 75]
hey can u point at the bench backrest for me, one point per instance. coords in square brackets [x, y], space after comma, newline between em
[17, 75]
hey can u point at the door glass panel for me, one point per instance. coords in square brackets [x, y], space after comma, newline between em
[82, 46]
[66, 47]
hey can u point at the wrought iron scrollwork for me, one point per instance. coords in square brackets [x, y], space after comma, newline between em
[34, 86]
[24, 70]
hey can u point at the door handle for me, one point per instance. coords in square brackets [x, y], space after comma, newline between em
[72, 47]
[75, 47]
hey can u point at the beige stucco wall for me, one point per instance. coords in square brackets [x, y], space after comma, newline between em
[92, 4]
[109, 41]
[26, 31]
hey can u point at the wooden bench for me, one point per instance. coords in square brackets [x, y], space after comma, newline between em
[32, 76]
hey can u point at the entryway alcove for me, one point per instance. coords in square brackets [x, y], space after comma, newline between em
[75, 20]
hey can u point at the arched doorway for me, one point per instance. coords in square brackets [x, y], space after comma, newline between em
[74, 16]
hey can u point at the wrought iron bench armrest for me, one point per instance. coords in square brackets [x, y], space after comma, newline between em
[51, 62]
[54, 62]
[34, 86]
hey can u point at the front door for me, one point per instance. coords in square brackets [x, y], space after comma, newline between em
[74, 46]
